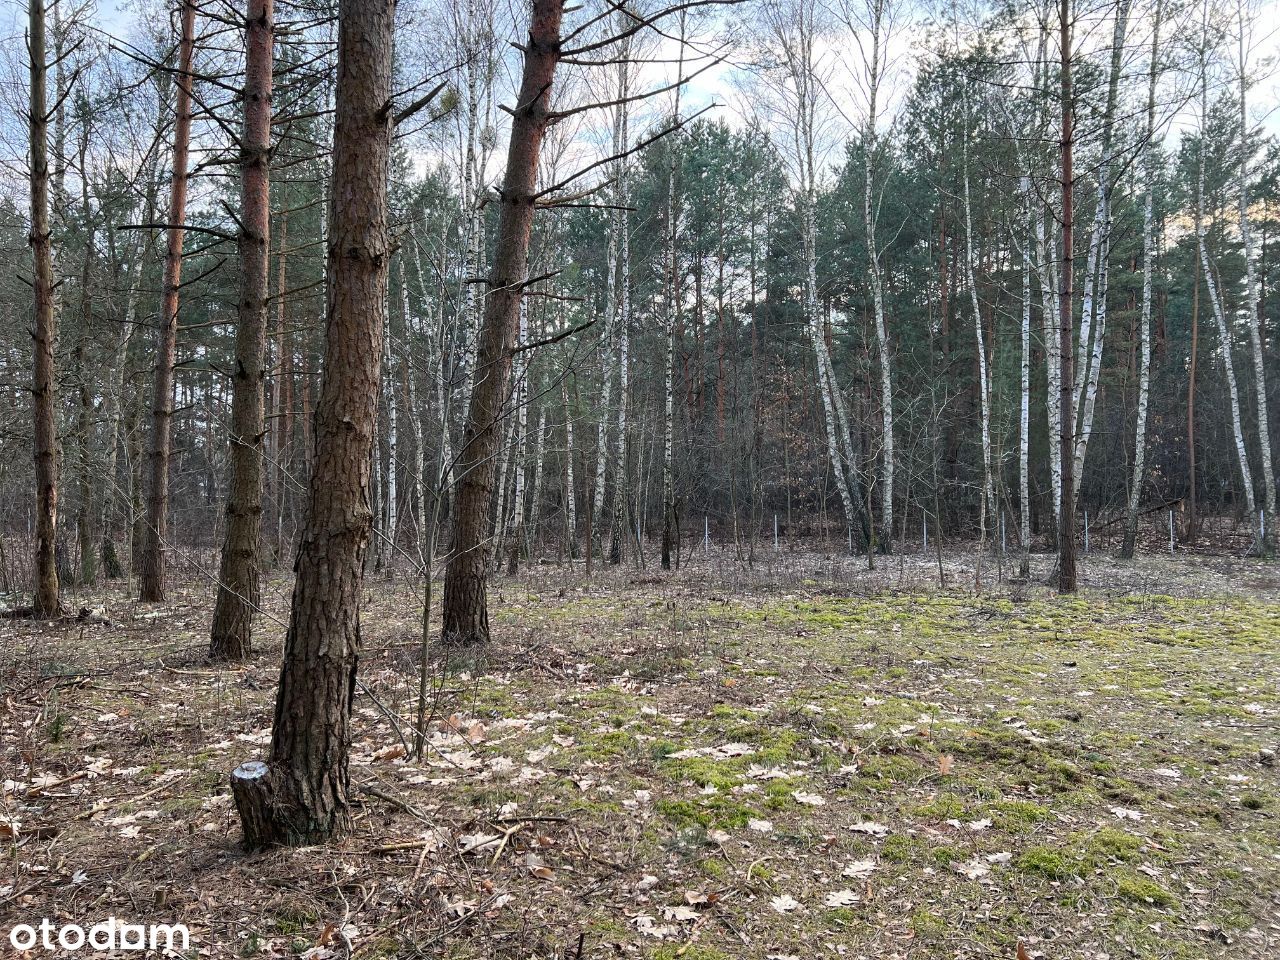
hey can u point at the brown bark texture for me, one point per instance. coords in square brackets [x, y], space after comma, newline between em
[466, 617]
[45, 332]
[301, 797]
[151, 568]
[230, 637]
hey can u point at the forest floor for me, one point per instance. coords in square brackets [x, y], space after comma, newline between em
[801, 759]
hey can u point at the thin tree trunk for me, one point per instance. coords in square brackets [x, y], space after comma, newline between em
[1024, 407]
[877, 9]
[152, 568]
[300, 796]
[988, 503]
[570, 504]
[1267, 534]
[45, 571]
[1095, 310]
[618, 535]
[1215, 299]
[514, 519]
[1148, 262]
[1066, 448]
[466, 614]
[231, 635]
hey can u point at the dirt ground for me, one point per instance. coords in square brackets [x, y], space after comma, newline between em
[801, 758]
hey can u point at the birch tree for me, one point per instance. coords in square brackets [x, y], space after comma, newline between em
[793, 32]
[1093, 315]
[1253, 306]
[1211, 284]
[1148, 264]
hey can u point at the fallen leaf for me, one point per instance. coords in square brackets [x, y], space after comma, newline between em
[870, 827]
[785, 903]
[841, 898]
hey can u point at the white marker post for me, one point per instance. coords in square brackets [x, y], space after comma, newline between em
[1003, 542]
[706, 536]
[1086, 531]
[775, 534]
[1171, 533]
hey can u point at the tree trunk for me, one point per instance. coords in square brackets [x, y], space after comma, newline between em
[1266, 535]
[988, 504]
[152, 566]
[1095, 310]
[570, 496]
[1215, 297]
[231, 635]
[1024, 406]
[44, 404]
[466, 614]
[301, 795]
[1066, 446]
[1129, 544]
[877, 9]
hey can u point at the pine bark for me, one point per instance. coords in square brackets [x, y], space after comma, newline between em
[45, 571]
[466, 615]
[151, 571]
[302, 795]
[230, 637]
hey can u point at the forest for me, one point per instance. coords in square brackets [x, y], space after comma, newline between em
[700, 479]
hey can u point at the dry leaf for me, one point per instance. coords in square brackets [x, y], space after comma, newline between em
[785, 903]
[945, 762]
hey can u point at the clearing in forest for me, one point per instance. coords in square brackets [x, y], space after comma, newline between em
[802, 760]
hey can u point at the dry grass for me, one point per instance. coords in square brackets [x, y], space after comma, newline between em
[1081, 776]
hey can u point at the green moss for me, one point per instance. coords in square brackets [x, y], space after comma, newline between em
[713, 868]
[1139, 889]
[705, 772]
[1110, 844]
[1049, 863]
[886, 771]
[1016, 816]
[901, 848]
[927, 925]
[714, 811]
[944, 806]
[692, 951]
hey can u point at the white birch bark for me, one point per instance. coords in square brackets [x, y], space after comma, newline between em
[1094, 312]
[1219, 315]
[570, 488]
[535, 494]
[1251, 302]
[389, 395]
[984, 380]
[876, 9]
[515, 515]
[618, 535]
[1148, 261]
[1024, 409]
